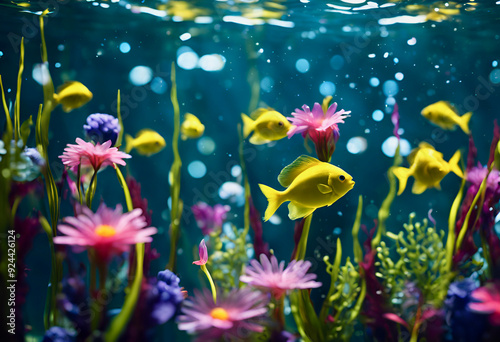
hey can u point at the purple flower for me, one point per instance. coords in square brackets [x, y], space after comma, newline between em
[35, 156]
[165, 296]
[209, 218]
[102, 127]
[58, 334]
[464, 324]
[271, 276]
[236, 311]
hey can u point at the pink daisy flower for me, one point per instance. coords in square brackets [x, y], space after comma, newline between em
[274, 277]
[235, 312]
[488, 298]
[107, 231]
[86, 153]
[321, 127]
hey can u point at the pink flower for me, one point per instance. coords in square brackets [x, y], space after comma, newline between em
[268, 275]
[107, 231]
[236, 311]
[321, 127]
[85, 153]
[488, 298]
[202, 250]
[209, 218]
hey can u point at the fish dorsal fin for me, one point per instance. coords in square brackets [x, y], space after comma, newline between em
[299, 165]
[434, 153]
[145, 131]
[259, 111]
[65, 85]
[451, 106]
[189, 117]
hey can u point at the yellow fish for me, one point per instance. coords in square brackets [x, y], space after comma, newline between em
[72, 95]
[444, 115]
[147, 142]
[310, 184]
[267, 125]
[192, 127]
[428, 168]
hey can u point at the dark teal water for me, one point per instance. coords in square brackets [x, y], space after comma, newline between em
[290, 56]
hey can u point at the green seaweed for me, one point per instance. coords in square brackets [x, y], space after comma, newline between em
[175, 179]
[422, 260]
[120, 120]
[228, 263]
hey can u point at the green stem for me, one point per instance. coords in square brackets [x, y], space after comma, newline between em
[465, 225]
[17, 109]
[212, 285]
[50, 304]
[301, 248]
[119, 323]
[246, 215]
[7, 114]
[450, 240]
[120, 121]
[358, 252]
[333, 270]
[175, 178]
[91, 190]
[384, 211]
[126, 191]
[79, 183]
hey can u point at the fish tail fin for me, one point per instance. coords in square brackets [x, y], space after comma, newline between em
[463, 122]
[248, 125]
[454, 167]
[402, 173]
[274, 198]
[128, 143]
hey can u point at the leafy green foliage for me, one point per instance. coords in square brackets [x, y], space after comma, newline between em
[421, 259]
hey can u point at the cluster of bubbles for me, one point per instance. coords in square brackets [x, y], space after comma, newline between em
[187, 59]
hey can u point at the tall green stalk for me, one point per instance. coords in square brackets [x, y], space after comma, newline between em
[175, 179]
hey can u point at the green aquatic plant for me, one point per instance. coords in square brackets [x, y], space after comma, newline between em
[421, 259]
[175, 179]
[229, 257]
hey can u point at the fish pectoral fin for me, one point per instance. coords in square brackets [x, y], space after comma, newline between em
[257, 139]
[402, 174]
[324, 189]
[299, 165]
[296, 211]
[419, 187]
[438, 186]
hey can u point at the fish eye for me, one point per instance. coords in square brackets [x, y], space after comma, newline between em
[280, 123]
[341, 178]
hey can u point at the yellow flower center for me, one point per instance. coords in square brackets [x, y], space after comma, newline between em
[219, 313]
[105, 231]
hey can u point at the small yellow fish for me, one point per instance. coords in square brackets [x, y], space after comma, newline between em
[192, 127]
[428, 168]
[444, 115]
[147, 142]
[310, 184]
[267, 125]
[72, 95]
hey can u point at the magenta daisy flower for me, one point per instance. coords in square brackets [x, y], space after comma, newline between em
[271, 276]
[107, 231]
[236, 312]
[320, 126]
[86, 153]
[488, 298]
